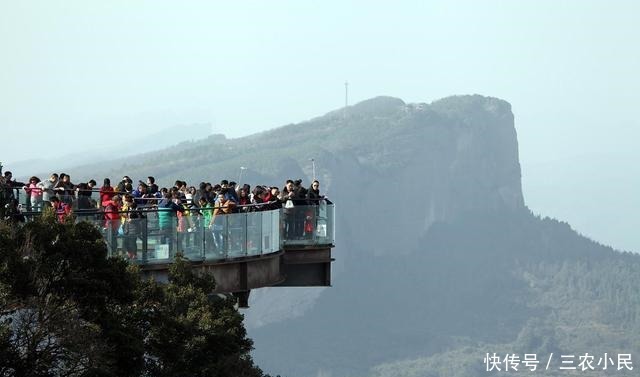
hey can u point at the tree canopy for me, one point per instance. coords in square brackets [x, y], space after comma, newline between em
[68, 310]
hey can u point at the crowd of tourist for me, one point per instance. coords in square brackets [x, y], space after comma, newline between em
[59, 191]
[189, 207]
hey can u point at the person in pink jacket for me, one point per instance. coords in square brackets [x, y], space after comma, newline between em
[34, 192]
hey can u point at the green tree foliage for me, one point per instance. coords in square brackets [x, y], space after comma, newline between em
[190, 333]
[68, 310]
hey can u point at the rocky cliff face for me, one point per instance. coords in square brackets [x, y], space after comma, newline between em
[418, 164]
[394, 169]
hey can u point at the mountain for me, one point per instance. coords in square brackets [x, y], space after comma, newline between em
[123, 146]
[438, 259]
[454, 163]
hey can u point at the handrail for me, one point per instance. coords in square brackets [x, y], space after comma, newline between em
[156, 236]
[101, 210]
[77, 190]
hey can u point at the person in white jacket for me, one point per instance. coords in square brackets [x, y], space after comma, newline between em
[47, 190]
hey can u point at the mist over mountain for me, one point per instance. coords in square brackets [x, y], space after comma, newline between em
[112, 146]
[606, 205]
[438, 259]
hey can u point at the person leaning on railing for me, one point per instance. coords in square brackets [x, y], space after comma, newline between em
[84, 191]
[10, 185]
[205, 214]
[167, 210]
[287, 197]
[106, 193]
[112, 220]
[313, 199]
[300, 197]
[34, 193]
[300, 212]
[272, 196]
[151, 183]
[65, 188]
[47, 189]
[232, 194]
[209, 193]
[243, 200]
[141, 194]
[257, 197]
[313, 193]
[185, 224]
[191, 196]
[121, 187]
[83, 200]
[222, 206]
[130, 226]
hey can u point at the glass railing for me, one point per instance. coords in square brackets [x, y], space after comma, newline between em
[244, 234]
[309, 225]
[83, 202]
[146, 239]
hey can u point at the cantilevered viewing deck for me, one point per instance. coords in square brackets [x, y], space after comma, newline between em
[244, 251]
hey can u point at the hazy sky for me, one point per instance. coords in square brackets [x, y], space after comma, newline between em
[84, 73]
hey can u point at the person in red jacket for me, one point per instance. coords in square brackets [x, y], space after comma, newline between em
[106, 192]
[62, 209]
[112, 221]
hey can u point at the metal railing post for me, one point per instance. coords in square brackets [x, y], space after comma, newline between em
[259, 248]
[245, 242]
[225, 236]
[201, 229]
[145, 239]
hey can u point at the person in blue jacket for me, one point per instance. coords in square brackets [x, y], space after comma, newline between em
[167, 220]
